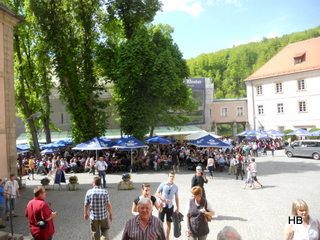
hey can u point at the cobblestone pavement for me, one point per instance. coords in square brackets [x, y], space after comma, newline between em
[258, 214]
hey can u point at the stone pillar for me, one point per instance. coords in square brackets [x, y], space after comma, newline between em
[215, 128]
[7, 94]
[234, 129]
[247, 126]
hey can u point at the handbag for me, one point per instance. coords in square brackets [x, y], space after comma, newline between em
[207, 218]
[42, 224]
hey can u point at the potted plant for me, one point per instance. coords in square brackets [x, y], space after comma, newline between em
[73, 179]
[126, 183]
[73, 183]
[126, 177]
[45, 181]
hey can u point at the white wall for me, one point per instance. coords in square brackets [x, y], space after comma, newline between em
[290, 96]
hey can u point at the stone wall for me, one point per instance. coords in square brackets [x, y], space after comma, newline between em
[7, 94]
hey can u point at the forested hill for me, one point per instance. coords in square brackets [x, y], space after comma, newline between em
[228, 68]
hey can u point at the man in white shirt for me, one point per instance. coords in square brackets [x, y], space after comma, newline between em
[102, 166]
[11, 190]
[232, 167]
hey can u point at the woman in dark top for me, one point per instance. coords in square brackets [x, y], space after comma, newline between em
[198, 228]
[145, 193]
[199, 179]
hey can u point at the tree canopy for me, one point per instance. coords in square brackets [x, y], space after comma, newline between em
[148, 82]
[71, 29]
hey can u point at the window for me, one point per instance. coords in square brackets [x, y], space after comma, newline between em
[61, 118]
[299, 58]
[239, 111]
[297, 61]
[301, 85]
[311, 144]
[302, 106]
[278, 87]
[259, 90]
[260, 110]
[296, 144]
[224, 112]
[280, 107]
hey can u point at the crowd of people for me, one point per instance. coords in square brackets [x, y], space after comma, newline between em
[157, 157]
[238, 160]
[146, 226]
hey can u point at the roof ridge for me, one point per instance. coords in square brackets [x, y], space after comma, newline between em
[303, 41]
[282, 63]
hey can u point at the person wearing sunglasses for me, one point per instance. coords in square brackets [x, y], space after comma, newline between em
[145, 193]
[166, 192]
[199, 179]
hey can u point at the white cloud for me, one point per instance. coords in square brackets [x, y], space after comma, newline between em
[254, 39]
[231, 2]
[192, 7]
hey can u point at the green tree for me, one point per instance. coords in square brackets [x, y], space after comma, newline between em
[132, 14]
[71, 30]
[148, 82]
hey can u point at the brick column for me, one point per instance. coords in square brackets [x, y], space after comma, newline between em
[7, 94]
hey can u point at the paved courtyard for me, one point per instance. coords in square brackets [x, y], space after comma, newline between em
[258, 214]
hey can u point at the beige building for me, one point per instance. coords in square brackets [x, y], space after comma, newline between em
[7, 95]
[229, 111]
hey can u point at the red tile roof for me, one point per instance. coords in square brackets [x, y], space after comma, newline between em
[283, 62]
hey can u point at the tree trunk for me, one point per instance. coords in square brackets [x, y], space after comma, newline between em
[151, 131]
[46, 117]
[33, 129]
[34, 135]
[46, 126]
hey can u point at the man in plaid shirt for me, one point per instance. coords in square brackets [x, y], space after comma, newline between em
[97, 200]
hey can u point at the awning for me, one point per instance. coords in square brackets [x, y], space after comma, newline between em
[115, 133]
[55, 136]
[159, 131]
[172, 131]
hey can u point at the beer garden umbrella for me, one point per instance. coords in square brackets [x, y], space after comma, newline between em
[158, 140]
[209, 141]
[50, 151]
[95, 144]
[300, 132]
[129, 143]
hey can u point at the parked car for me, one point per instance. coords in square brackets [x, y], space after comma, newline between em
[304, 148]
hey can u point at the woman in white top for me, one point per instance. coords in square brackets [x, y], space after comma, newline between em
[309, 229]
[211, 166]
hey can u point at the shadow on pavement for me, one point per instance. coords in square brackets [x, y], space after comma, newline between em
[279, 167]
[221, 217]
[69, 223]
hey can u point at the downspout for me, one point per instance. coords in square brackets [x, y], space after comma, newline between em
[253, 107]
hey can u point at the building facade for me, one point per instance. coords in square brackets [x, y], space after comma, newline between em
[202, 90]
[229, 111]
[8, 155]
[285, 92]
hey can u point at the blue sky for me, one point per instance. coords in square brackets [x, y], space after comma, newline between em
[204, 26]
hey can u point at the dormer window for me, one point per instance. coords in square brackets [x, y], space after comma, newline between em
[299, 58]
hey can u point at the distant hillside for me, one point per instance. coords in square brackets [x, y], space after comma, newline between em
[228, 68]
